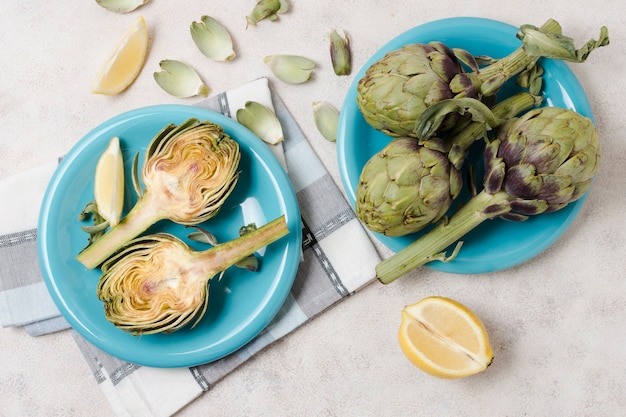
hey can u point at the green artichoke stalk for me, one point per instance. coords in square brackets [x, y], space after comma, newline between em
[538, 163]
[410, 184]
[396, 89]
[158, 284]
[189, 170]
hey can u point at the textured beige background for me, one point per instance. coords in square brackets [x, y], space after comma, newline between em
[557, 323]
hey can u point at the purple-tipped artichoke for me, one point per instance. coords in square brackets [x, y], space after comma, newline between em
[396, 89]
[538, 163]
[157, 284]
[410, 184]
[188, 172]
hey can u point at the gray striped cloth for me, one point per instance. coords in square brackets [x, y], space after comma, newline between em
[338, 259]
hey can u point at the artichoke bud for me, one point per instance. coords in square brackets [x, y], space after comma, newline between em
[405, 187]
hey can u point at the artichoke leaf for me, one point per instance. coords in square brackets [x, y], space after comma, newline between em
[212, 39]
[121, 6]
[180, 80]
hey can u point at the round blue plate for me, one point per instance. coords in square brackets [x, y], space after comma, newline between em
[496, 244]
[241, 304]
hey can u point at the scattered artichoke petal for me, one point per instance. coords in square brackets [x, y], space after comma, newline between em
[267, 9]
[180, 80]
[121, 6]
[326, 119]
[340, 53]
[212, 39]
[262, 121]
[292, 69]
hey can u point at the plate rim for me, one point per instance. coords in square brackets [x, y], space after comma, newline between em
[258, 151]
[450, 23]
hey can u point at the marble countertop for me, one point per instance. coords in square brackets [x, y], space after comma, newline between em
[556, 322]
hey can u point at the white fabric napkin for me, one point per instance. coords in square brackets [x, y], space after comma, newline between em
[338, 259]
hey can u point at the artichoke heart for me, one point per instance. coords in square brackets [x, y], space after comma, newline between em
[157, 284]
[188, 172]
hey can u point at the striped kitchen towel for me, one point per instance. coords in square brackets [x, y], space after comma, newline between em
[338, 258]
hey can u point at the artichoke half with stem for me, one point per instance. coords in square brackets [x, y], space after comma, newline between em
[538, 163]
[188, 172]
[396, 89]
[410, 183]
[157, 284]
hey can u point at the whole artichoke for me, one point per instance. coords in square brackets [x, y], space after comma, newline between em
[410, 184]
[188, 172]
[406, 186]
[396, 89]
[539, 162]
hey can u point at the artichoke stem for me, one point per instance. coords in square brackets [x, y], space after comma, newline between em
[144, 214]
[429, 246]
[502, 111]
[518, 60]
[229, 253]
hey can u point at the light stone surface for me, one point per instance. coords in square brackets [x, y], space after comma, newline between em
[557, 322]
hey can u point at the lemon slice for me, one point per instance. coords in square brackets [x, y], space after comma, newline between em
[109, 183]
[444, 338]
[126, 61]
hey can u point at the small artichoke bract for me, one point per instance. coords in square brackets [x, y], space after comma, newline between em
[262, 121]
[267, 9]
[212, 39]
[410, 184]
[292, 69]
[340, 53]
[121, 6]
[326, 118]
[180, 80]
[538, 163]
[156, 283]
[396, 89]
[188, 172]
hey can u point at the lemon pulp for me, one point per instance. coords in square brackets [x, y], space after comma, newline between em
[126, 61]
[444, 338]
[109, 183]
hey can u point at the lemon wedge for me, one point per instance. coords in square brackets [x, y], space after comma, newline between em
[126, 61]
[109, 183]
[444, 338]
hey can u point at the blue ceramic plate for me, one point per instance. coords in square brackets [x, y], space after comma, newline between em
[497, 244]
[241, 304]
